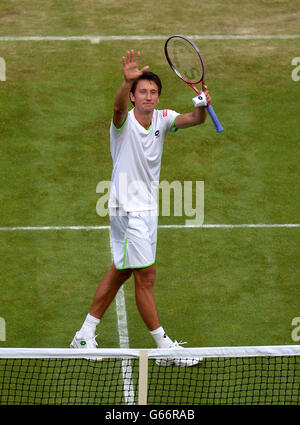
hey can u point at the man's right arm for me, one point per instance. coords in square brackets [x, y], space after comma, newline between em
[131, 73]
[121, 104]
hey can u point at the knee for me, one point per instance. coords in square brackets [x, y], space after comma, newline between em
[145, 278]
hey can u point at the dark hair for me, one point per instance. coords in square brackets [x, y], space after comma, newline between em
[148, 75]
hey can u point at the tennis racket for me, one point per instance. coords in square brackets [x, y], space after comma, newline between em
[185, 59]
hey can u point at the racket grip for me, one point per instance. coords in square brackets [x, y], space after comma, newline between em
[214, 119]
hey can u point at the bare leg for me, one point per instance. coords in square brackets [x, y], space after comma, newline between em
[107, 290]
[144, 282]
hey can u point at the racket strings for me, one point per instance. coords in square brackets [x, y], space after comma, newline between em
[185, 60]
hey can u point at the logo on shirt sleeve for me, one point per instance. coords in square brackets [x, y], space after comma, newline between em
[165, 112]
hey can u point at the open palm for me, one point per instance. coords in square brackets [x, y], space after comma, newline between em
[131, 66]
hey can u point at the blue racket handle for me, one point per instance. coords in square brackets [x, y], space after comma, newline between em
[214, 118]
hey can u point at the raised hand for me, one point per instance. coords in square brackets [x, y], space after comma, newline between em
[131, 66]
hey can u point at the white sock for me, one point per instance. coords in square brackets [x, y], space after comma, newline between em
[89, 326]
[161, 338]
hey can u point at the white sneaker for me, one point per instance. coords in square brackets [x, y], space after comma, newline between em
[85, 342]
[184, 362]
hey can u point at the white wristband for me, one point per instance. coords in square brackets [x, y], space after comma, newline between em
[200, 100]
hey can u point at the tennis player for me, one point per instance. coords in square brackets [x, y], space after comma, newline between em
[136, 144]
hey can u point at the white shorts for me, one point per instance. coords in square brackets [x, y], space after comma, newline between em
[133, 237]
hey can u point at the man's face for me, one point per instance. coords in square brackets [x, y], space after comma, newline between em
[146, 96]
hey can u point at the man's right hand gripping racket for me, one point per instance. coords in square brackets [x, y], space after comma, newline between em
[186, 61]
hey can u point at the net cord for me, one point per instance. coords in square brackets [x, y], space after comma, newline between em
[130, 353]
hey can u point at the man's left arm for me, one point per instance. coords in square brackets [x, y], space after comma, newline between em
[198, 116]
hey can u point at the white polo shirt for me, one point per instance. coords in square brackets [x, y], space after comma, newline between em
[136, 154]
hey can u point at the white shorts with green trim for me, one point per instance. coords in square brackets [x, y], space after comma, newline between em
[133, 237]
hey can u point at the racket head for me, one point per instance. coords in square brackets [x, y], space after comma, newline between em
[185, 59]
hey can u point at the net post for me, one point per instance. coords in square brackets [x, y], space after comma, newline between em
[143, 377]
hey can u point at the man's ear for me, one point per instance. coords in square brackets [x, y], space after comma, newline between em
[132, 97]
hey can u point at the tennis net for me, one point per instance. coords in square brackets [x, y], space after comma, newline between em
[261, 375]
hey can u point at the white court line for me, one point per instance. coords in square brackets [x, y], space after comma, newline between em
[162, 226]
[124, 341]
[228, 226]
[102, 38]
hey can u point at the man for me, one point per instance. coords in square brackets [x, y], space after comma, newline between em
[136, 139]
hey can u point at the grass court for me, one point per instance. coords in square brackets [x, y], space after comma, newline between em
[215, 286]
